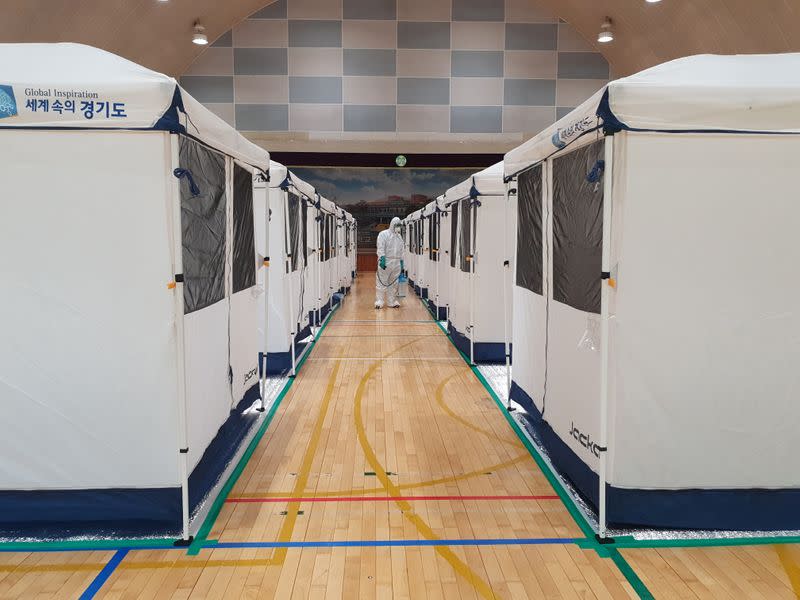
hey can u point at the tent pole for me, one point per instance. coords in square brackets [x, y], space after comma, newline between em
[437, 254]
[604, 312]
[506, 286]
[183, 420]
[261, 179]
[289, 255]
[319, 259]
[474, 214]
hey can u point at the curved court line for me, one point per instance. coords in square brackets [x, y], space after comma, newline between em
[439, 395]
[399, 486]
[424, 529]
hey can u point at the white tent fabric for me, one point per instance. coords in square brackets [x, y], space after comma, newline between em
[174, 297]
[488, 182]
[287, 301]
[475, 314]
[744, 93]
[667, 217]
[77, 86]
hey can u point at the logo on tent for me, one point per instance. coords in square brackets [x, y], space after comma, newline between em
[585, 440]
[8, 105]
[563, 136]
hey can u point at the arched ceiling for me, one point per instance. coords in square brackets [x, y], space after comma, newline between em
[157, 34]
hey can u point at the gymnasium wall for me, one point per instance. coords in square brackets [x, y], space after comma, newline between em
[396, 69]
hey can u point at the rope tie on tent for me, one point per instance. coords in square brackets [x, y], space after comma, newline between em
[596, 173]
[181, 173]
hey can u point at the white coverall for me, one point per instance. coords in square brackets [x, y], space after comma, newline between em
[390, 245]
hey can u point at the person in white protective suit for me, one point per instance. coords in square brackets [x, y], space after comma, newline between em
[390, 264]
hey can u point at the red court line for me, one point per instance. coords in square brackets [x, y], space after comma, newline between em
[388, 498]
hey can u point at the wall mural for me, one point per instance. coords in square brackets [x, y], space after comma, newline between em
[375, 195]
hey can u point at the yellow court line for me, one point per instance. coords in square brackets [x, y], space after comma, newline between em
[792, 569]
[285, 534]
[424, 529]
[399, 486]
[439, 395]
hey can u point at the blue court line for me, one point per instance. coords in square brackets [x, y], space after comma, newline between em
[374, 543]
[103, 575]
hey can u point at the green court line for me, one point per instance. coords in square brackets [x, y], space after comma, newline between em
[589, 543]
[625, 568]
[201, 539]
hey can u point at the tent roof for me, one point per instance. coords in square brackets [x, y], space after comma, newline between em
[739, 93]
[278, 174]
[430, 208]
[108, 92]
[327, 205]
[488, 182]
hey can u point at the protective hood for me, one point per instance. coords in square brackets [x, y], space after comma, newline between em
[395, 223]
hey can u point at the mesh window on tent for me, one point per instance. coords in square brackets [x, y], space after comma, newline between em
[578, 227]
[465, 239]
[203, 220]
[529, 230]
[244, 249]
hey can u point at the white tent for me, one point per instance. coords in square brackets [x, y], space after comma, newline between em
[433, 216]
[327, 264]
[346, 253]
[416, 245]
[480, 265]
[128, 263]
[655, 307]
[288, 321]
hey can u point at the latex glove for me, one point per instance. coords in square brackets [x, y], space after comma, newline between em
[402, 265]
[382, 262]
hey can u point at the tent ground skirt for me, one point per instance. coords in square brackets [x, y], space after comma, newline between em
[719, 509]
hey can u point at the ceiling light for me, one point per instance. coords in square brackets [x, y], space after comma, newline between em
[606, 34]
[652, 1]
[200, 38]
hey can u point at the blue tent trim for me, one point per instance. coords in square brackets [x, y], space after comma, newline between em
[170, 120]
[483, 352]
[725, 509]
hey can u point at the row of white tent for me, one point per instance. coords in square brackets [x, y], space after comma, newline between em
[648, 245]
[135, 311]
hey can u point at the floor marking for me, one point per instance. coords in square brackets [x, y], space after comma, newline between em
[367, 358]
[627, 571]
[399, 486]
[211, 518]
[287, 528]
[439, 396]
[384, 335]
[387, 498]
[788, 564]
[103, 575]
[378, 323]
[436, 542]
[445, 552]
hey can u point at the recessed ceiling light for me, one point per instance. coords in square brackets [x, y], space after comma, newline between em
[652, 1]
[199, 37]
[606, 33]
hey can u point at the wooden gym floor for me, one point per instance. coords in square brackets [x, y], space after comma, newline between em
[388, 471]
